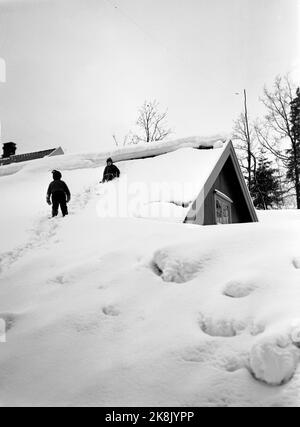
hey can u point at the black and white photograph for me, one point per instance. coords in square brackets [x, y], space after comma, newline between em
[150, 206]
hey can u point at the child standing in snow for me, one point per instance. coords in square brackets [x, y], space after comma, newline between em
[60, 194]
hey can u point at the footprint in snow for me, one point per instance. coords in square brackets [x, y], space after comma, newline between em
[60, 280]
[228, 328]
[212, 352]
[296, 263]
[174, 268]
[110, 310]
[235, 289]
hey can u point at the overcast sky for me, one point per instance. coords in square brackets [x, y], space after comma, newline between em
[77, 70]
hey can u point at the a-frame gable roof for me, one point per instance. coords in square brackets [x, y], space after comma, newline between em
[228, 152]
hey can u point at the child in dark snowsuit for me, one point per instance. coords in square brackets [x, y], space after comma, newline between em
[60, 194]
[110, 172]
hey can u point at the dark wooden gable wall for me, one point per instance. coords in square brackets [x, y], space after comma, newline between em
[227, 182]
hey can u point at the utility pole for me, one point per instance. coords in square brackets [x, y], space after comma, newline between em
[248, 139]
[244, 129]
[2, 80]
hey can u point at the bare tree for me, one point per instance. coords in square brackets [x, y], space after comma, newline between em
[152, 125]
[275, 132]
[152, 122]
[125, 141]
[129, 139]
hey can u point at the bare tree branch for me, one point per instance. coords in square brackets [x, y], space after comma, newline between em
[244, 136]
[276, 134]
[152, 123]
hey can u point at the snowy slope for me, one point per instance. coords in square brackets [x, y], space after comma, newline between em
[135, 312]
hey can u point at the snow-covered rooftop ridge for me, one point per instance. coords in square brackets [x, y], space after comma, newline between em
[157, 148]
[97, 159]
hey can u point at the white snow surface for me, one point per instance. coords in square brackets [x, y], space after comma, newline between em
[130, 311]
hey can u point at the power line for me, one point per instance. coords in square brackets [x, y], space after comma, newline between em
[133, 21]
[150, 36]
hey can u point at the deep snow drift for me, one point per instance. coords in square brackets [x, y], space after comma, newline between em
[137, 312]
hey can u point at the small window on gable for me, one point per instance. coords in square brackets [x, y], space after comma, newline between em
[223, 208]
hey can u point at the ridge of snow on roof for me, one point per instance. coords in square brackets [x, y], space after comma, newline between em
[158, 148]
[96, 159]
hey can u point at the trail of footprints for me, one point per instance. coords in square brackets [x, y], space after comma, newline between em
[178, 272]
[271, 359]
[44, 230]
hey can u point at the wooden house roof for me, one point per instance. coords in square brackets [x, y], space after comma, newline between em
[17, 158]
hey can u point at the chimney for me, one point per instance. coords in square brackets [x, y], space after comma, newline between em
[9, 149]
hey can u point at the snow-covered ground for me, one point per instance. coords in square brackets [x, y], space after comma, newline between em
[129, 311]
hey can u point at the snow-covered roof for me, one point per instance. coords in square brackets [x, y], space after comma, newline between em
[98, 159]
[161, 187]
[172, 186]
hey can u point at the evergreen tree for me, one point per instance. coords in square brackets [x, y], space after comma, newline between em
[293, 163]
[265, 188]
[295, 116]
[279, 132]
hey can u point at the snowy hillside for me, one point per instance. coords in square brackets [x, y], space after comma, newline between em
[131, 311]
